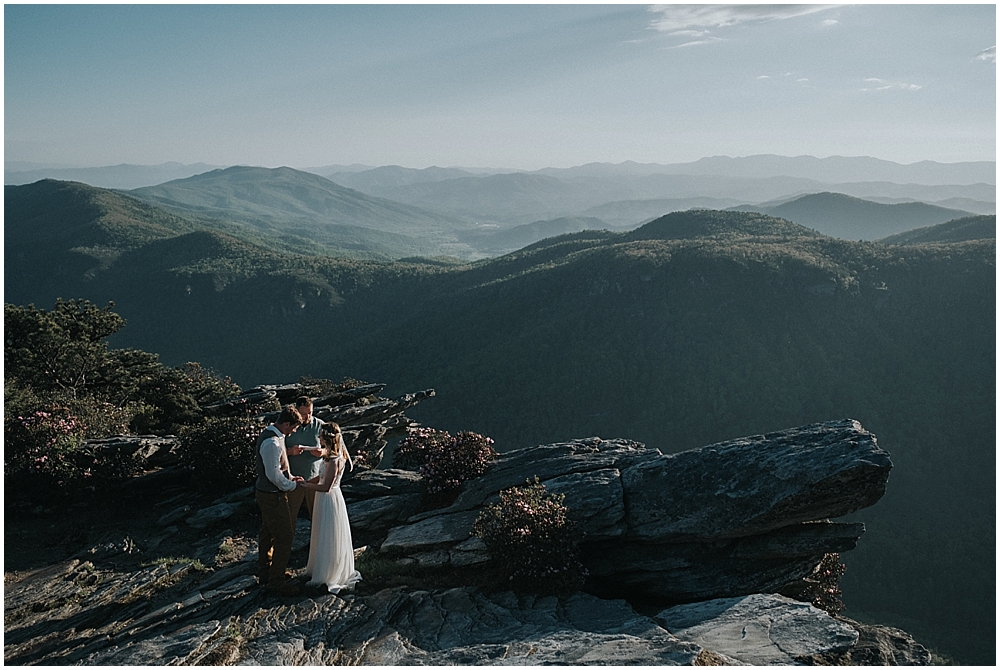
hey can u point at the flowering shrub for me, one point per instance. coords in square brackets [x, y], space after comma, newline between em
[45, 455]
[42, 442]
[824, 592]
[221, 451]
[531, 541]
[364, 459]
[444, 461]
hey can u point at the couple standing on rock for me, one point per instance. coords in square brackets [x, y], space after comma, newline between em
[301, 458]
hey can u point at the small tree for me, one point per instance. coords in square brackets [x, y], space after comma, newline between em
[532, 543]
[221, 451]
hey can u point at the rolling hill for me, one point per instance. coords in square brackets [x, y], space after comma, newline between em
[284, 194]
[850, 218]
[283, 200]
[957, 230]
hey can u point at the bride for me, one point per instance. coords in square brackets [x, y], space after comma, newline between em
[331, 554]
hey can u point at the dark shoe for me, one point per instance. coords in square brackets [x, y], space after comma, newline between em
[263, 577]
[284, 590]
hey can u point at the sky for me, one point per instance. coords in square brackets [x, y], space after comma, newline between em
[511, 86]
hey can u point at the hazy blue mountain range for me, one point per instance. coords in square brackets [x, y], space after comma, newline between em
[846, 217]
[959, 230]
[833, 169]
[964, 204]
[390, 176]
[124, 176]
[518, 198]
[303, 212]
[511, 197]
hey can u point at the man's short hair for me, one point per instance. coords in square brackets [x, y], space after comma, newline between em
[290, 415]
[303, 401]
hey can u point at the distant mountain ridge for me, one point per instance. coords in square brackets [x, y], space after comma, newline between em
[523, 197]
[844, 169]
[847, 217]
[285, 200]
[123, 176]
[958, 230]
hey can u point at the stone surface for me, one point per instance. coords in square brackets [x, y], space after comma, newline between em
[211, 515]
[729, 519]
[759, 629]
[689, 571]
[756, 484]
[463, 627]
[433, 532]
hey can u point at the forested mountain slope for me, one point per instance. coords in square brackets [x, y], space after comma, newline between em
[699, 327]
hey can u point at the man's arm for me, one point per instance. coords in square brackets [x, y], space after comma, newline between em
[270, 452]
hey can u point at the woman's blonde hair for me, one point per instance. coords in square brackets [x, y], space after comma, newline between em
[332, 440]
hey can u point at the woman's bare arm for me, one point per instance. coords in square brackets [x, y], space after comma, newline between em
[332, 468]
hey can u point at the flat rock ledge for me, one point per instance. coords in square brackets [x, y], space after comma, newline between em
[68, 614]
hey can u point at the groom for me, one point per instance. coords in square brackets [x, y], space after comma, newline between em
[274, 482]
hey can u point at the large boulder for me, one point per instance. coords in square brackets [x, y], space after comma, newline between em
[730, 519]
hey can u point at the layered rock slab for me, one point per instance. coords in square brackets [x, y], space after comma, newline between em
[759, 629]
[729, 519]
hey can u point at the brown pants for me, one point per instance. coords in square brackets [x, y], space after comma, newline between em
[295, 499]
[275, 541]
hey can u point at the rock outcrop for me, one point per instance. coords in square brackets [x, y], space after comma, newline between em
[741, 517]
[687, 553]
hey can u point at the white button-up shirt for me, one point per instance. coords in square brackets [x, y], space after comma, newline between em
[272, 452]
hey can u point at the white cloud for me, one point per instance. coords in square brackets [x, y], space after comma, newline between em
[876, 84]
[674, 18]
[688, 33]
[695, 43]
[988, 55]
[829, 22]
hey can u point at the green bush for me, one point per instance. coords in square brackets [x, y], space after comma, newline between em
[531, 542]
[221, 451]
[444, 461]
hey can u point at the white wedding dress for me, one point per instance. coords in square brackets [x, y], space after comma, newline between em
[331, 554]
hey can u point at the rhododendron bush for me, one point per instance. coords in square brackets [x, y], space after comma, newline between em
[531, 541]
[444, 460]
